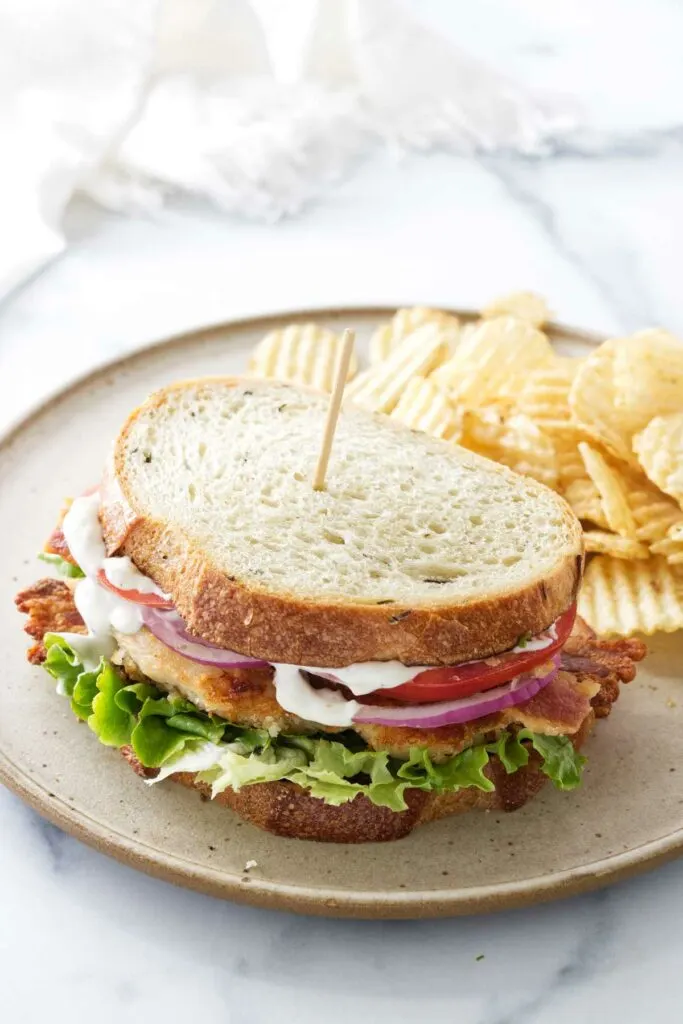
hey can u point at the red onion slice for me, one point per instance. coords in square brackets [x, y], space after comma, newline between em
[170, 629]
[455, 712]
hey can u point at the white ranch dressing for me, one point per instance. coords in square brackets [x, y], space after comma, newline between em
[101, 610]
[538, 643]
[296, 695]
[329, 707]
[121, 571]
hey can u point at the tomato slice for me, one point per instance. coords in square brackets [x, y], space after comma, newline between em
[136, 596]
[465, 680]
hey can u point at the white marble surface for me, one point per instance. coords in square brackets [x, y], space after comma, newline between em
[598, 231]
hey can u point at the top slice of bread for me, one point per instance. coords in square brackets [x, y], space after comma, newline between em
[416, 550]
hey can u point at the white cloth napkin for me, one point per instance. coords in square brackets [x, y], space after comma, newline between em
[71, 75]
[132, 103]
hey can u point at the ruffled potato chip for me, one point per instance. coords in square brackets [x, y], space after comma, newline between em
[492, 360]
[583, 499]
[671, 546]
[648, 376]
[592, 400]
[527, 306]
[404, 321]
[612, 491]
[570, 464]
[576, 486]
[659, 448]
[380, 387]
[300, 353]
[423, 406]
[512, 439]
[655, 514]
[545, 396]
[604, 543]
[620, 598]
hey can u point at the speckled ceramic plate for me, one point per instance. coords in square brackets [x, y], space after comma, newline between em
[628, 815]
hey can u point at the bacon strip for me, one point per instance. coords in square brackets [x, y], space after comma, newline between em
[583, 649]
[559, 708]
[578, 663]
[56, 543]
[50, 607]
[612, 661]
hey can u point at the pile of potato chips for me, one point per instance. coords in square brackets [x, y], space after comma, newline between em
[605, 431]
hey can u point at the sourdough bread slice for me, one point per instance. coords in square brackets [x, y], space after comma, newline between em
[416, 550]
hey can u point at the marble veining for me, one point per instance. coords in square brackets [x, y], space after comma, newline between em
[617, 283]
[582, 962]
[596, 226]
[56, 843]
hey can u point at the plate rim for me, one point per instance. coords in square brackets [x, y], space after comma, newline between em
[250, 889]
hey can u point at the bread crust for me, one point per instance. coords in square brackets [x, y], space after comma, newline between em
[283, 628]
[287, 810]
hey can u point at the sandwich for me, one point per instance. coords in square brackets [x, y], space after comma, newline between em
[340, 664]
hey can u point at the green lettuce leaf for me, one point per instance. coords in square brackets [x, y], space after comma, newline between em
[332, 767]
[165, 729]
[206, 730]
[237, 770]
[511, 751]
[336, 791]
[163, 733]
[252, 739]
[112, 724]
[132, 698]
[464, 770]
[84, 693]
[560, 761]
[155, 742]
[158, 727]
[63, 567]
[62, 663]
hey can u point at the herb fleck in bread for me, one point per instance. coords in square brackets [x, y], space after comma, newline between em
[417, 550]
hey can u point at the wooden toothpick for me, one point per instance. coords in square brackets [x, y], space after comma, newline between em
[341, 373]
